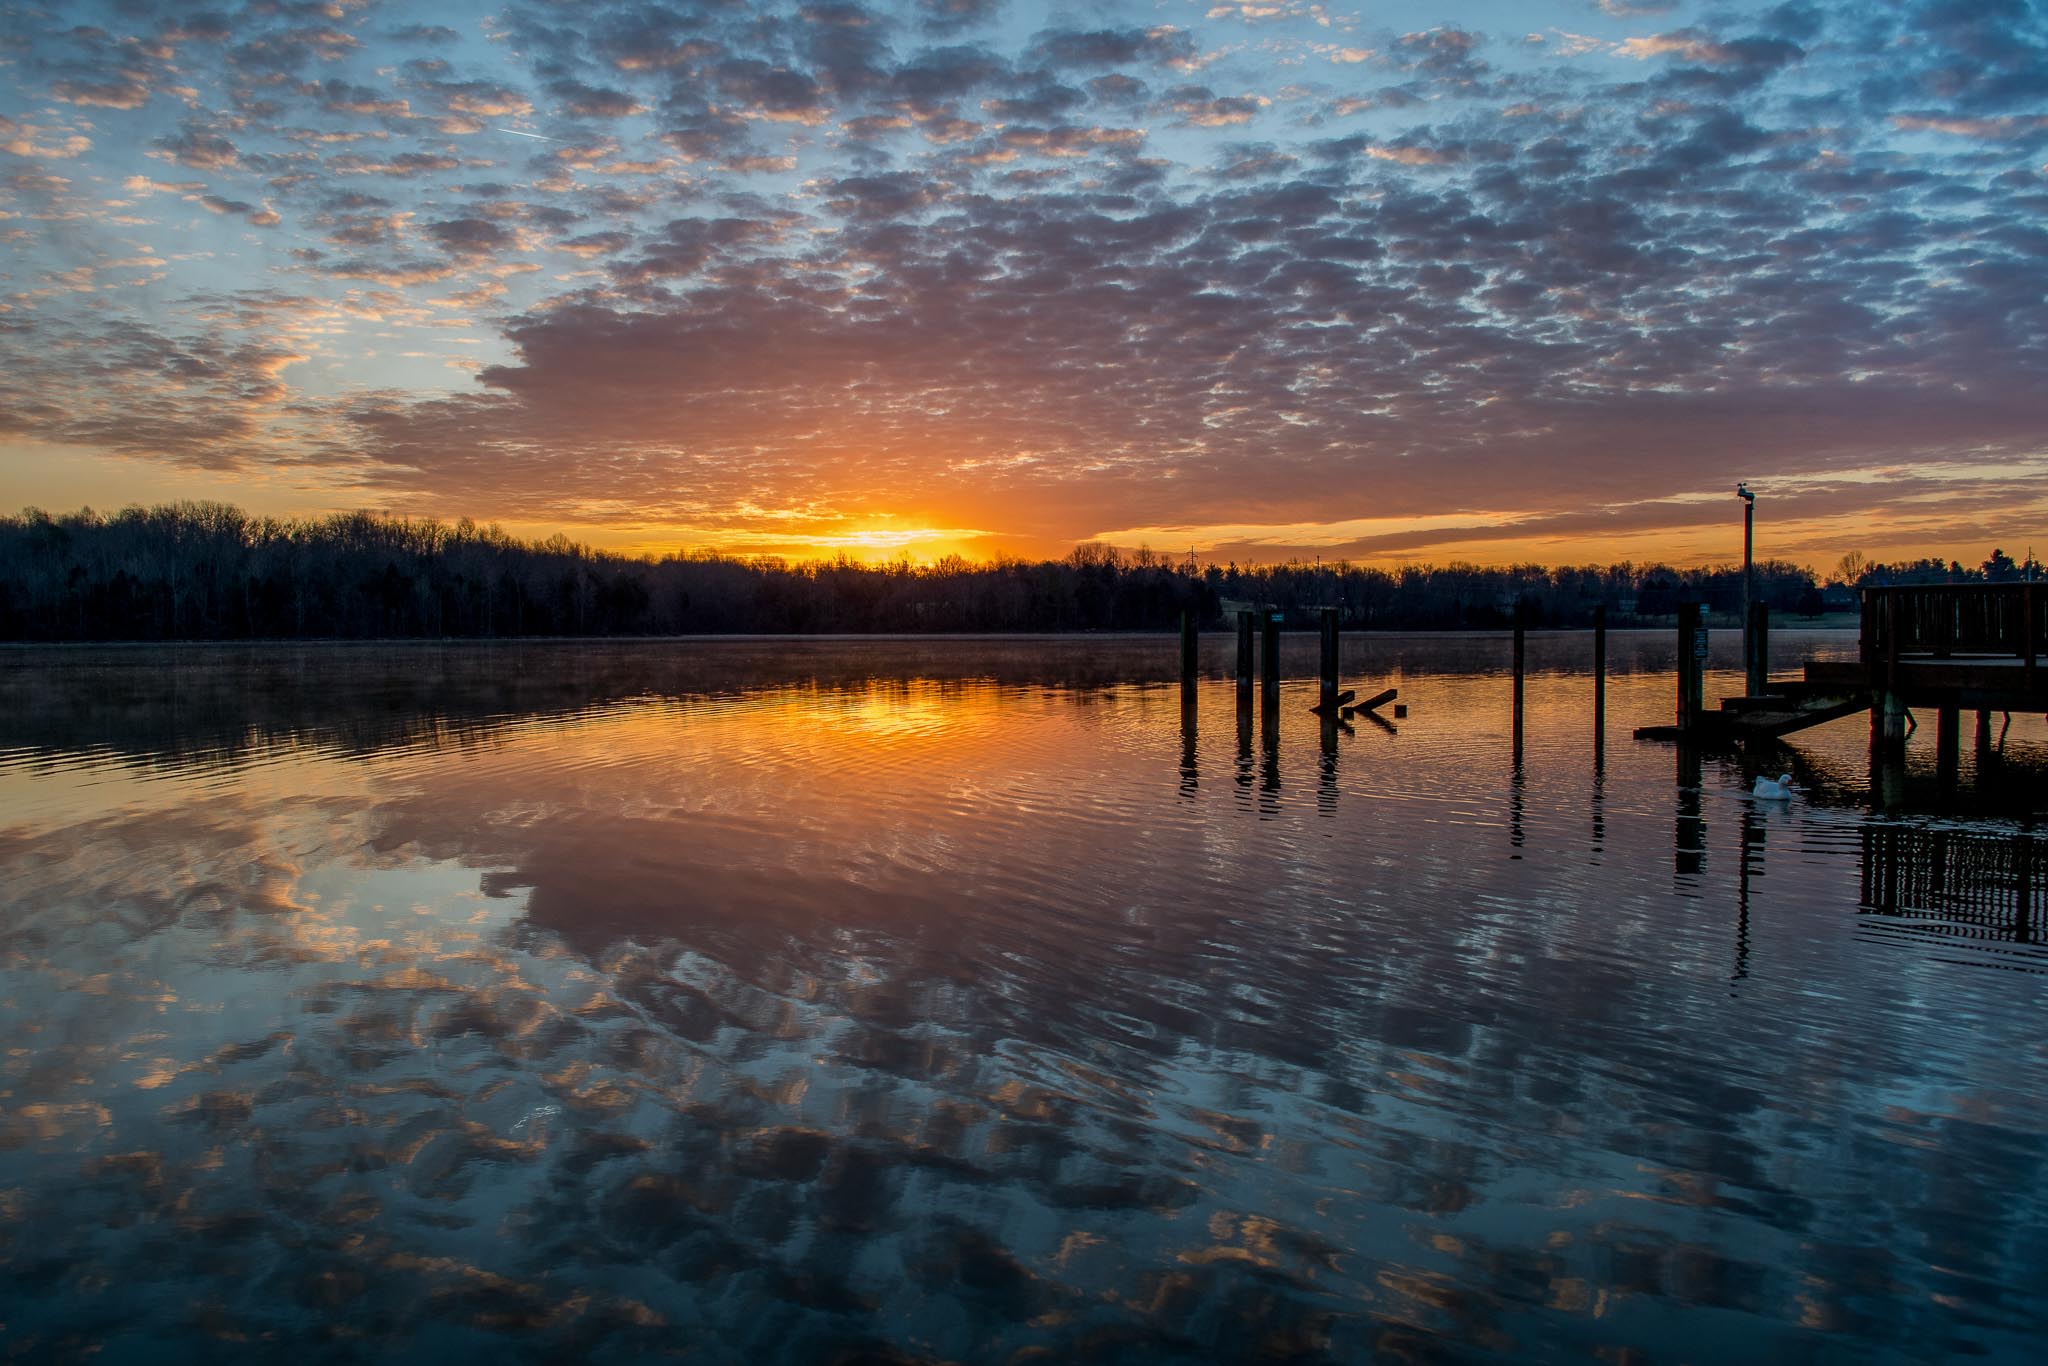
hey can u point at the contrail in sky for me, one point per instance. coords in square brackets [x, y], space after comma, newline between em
[517, 134]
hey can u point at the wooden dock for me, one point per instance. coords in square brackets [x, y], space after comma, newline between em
[1946, 648]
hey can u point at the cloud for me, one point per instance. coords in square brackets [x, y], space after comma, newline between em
[128, 91]
[470, 237]
[1695, 45]
[2001, 128]
[1096, 48]
[199, 148]
[1199, 107]
[29, 140]
[259, 215]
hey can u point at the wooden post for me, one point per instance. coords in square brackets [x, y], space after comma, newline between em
[1190, 648]
[1327, 696]
[1759, 653]
[1981, 748]
[1269, 661]
[2029, 644]
[1244, 649]
[1599, 682]
[1948, 748]
[1894, 721]
[1691, 676]
[1521, 668]
[1894, 732]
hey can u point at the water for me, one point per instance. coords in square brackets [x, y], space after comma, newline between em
[760, 1001]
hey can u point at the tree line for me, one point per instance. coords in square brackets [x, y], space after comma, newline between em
[209, 571]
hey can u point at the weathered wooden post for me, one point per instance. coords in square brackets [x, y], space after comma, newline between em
[1244, 650]
[1327, 696]
[1521, 667]
[2029, 640]
[1692, 640]
[1190, 649]
[1981, 748]
[1759, 654]
[1269, 661]
[1948, 748]
[1894, 726]
[1599, 682]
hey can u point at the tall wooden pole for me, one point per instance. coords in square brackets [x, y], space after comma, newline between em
[1269, 661]
[1327, 698]
[1244, 649]
[1691, 679]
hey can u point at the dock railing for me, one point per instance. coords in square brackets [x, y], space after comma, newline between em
[1947, 619]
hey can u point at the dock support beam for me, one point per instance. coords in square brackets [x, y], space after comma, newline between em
[1327, 697]
[1190, 648]
[1244, 650]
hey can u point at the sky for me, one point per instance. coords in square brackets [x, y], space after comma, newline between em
[1259, 279]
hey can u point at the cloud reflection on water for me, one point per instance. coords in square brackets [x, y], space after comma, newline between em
[937, 1016]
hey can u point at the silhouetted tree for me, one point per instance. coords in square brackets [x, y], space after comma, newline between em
[210, 571]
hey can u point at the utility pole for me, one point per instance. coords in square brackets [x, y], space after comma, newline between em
[1749, 669]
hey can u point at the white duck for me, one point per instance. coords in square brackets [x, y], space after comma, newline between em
[1779, 791]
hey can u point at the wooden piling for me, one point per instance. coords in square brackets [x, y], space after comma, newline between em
[1269, 661]
[1691, 670]
[1893, 729]
[1327, 695]
[1521, 667]
[1759, 652]
[1948, 749]
[1190, 648]
[1244, 649]
[1982, 746]
[2029, 643]
[1599, 682]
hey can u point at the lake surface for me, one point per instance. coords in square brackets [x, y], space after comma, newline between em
[971, 1000]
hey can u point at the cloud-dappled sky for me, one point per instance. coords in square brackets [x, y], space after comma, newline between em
[1486, 280]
